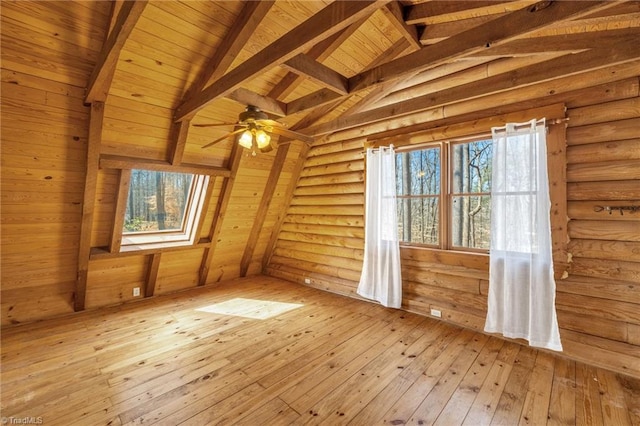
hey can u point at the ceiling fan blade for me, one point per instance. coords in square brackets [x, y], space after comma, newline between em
[214, 124]
[223, 138]
[291, 134]
[269, 122]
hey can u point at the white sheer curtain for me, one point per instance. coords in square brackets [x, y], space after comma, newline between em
[381, 278]
[521, 284]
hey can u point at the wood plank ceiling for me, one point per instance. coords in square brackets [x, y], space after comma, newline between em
[206, 60]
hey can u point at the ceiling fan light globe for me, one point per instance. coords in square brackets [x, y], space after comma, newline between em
[246, 139]
[262, 139]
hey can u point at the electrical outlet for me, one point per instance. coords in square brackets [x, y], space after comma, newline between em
[436, 313]
[136, 291]
[307, 280]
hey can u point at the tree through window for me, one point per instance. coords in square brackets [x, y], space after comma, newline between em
[444, 195]
[163, 209]
[157, 201]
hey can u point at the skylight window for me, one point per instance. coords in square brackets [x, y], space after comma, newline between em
[163, 209]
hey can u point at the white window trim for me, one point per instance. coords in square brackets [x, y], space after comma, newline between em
[161, 239]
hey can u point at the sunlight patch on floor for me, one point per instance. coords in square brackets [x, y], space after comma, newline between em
[250, 308]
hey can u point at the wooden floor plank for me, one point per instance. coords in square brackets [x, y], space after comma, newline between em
[536, 404]
[332, 360]
[512, 400]
[436, 400]
[588, 407]
[562, 408]
[612, 399]
[486, 403]
[460, 402]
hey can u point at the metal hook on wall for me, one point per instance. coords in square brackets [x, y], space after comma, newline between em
[621, 209]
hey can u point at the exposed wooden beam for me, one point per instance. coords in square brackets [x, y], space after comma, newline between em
[178, 141]
[221, 212]
[295, 176]
[124, 182]
[263, 208]
[500, 30]
[118, 162]
[96, 119]
[234, 41]
[625, 50]
[313, 100]
[328, 21]
[557, 43]
[320, 51]
[395, 15]
[534, 96]
[381, 90]
[321, 74]
[265, 103]
[437, 32]
[435, 12]
[152, 274]
[100, 79]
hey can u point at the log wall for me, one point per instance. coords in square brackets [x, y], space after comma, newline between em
[598, 304]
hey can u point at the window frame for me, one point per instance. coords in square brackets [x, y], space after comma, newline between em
[185, 236]
[446, 195]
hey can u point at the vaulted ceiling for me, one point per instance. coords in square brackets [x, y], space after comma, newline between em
[324, 67]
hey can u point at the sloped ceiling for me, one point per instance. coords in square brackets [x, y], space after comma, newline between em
[204, 61]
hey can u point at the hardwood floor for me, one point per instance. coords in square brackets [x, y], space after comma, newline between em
[319, 359]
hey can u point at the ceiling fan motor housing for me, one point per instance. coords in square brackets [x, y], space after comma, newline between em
[252, 113]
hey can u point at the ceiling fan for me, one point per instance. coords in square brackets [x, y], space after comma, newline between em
[254, 128]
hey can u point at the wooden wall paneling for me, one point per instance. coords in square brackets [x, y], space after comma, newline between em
[178, 270]
[609, 230]
[607, 269]
[30, 21]
[88, 205]
[604, 132]
[100, 79]
[604, 112]
[606, 353]
[613, 289]
[105, 206]
[315, 267]
[111, 281]
[557, 171]
[617, 190]
[603, 171]
[605, 249]
[586, 324]
[263, 208]
[124, 182]
[221, 211]
[295, 176]
[628, 149]
[152, 274]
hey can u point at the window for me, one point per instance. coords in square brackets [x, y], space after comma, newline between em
[163, 209]
[444, 195]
